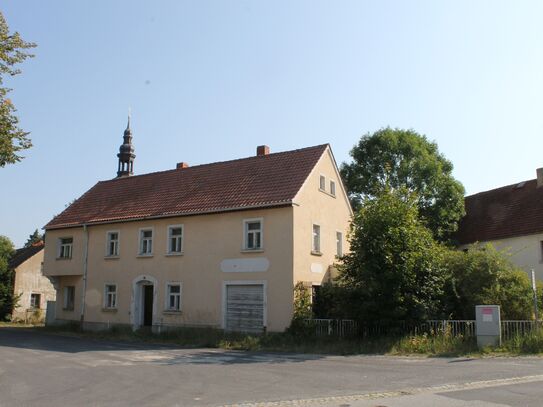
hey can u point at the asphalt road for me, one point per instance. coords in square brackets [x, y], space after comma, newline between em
[38, 369]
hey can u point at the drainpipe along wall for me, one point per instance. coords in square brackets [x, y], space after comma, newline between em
[85, 261]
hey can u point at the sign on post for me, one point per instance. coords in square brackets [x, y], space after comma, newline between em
[488, 325]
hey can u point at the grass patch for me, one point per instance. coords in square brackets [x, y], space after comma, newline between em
[527, 344]
[440, 344]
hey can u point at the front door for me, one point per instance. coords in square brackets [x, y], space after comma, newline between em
[147, 305]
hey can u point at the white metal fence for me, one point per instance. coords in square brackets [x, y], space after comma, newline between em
[466, 328]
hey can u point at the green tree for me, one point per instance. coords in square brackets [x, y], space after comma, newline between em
[12, 52]
[483, 275]
[34, 238]
[394, 269]
[7, 300]
[395, 158]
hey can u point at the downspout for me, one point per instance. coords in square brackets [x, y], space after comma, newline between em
[85, 262]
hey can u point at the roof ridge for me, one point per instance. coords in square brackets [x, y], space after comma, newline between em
[503, 187]
[216, 162]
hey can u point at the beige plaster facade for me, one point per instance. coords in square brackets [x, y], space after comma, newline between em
[29, 281]
[213, 257]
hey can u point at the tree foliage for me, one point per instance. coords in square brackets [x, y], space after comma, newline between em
[13, 50]
[394, 269]
[483, 275]
[34, 238]
[7, 300]
[395, 158]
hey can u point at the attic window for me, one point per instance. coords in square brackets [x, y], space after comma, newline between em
[322, 183]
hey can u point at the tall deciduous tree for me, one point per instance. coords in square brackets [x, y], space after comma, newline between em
[7, 300]
[12, 52]
[394, 269]
[395, 158]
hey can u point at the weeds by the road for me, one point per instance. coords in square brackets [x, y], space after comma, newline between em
[429, 344]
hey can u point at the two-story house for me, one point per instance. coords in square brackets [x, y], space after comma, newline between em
[218, 245]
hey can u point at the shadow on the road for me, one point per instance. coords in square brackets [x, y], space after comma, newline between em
[138, 352]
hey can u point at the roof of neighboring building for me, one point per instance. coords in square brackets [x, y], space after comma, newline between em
[513, 210]
[254, 182]
[23, 254]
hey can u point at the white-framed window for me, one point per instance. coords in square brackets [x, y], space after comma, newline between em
[69, 298]
[322, 183]
[65, 245]
[252, 234]
[146, 242]
[35, 300]
[332, 188]
[112, 243]
[316, 242]
[110, 296]
[175, 239]
[173, 297]
[339, 244]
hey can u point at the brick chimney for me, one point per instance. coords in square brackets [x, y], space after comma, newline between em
[262, 150]
[539, 172]
[182, 165]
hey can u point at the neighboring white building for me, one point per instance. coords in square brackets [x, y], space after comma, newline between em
[511, 218]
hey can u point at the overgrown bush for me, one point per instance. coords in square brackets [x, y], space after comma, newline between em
[483, 275]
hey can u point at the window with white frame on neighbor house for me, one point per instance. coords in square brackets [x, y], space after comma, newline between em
[35, 300]
[146, 241]
[65, 247]
[69, 298]
[316, 244]
[112, 243]
[110, 296]
[173, 296]
[332, 188]
[252, 234]
[175, 239]
[339, 244]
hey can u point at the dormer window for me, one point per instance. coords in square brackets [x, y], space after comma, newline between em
[65, 247]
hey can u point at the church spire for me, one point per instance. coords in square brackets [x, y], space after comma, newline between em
[126, 153]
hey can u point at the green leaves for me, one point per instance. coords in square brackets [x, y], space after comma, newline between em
[12, 52]
[394, 266]
[395, 159]
[7, 300]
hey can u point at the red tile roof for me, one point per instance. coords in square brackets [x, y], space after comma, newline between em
[513, 210]
[259, 181]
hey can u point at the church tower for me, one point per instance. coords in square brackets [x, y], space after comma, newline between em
[126, 154]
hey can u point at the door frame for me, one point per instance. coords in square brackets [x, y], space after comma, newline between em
[263, 283]
[136, 303]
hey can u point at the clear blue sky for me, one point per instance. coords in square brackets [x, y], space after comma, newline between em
[209, 81]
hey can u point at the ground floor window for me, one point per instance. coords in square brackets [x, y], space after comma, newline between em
[110, 296]
[317, 303]
[69, 298]
[35, 300]
[173, 297]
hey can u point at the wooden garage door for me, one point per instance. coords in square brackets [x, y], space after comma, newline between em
[245, 307]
